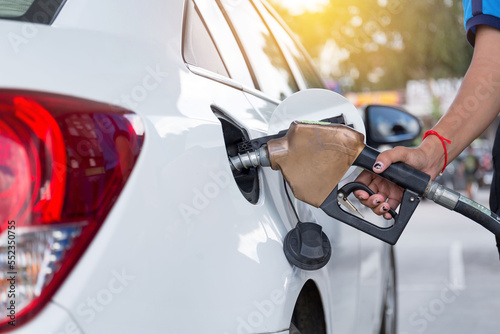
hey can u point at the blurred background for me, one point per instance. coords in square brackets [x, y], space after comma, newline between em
[414, 54]
[395, 52]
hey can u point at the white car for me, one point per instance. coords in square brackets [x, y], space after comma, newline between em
[119, 209]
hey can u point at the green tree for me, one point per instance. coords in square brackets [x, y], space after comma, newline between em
[388, 42]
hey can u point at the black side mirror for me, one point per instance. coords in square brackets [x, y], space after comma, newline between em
[390, 125]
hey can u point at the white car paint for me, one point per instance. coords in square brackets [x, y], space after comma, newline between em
[181, 251]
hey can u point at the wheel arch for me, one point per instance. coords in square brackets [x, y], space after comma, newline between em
[308, 315]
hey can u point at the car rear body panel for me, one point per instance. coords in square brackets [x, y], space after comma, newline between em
[182, 251]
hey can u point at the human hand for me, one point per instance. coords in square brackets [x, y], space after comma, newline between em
[387, 194]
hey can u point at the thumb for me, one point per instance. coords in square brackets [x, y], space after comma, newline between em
[386, 158]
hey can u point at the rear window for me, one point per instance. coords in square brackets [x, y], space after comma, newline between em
[35, 11]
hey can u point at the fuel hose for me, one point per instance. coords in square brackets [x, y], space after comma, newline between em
[481, 215]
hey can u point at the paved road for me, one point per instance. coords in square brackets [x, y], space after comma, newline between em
[448, 273]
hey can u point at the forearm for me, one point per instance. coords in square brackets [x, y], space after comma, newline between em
[475, 107]
[477, 102]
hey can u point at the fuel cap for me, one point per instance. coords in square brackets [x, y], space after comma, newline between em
[307, 246]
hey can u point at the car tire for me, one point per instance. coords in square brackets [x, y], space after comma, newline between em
[294, 329]
[389, 308]
[308, 315]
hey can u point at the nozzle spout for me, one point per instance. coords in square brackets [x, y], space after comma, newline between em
[250, 159]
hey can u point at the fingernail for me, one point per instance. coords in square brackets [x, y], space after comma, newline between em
[376, 202]
[378, 165]
[363, 196]
[384, 208]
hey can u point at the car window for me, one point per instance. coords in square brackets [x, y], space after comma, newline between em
[270, 69]
[225, 41]
[36, 11]
[14, 8]
[307, 72]
[198, 47]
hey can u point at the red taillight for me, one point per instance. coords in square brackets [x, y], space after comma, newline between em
[63, 163]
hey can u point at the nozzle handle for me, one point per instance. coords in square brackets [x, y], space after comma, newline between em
[400, 173]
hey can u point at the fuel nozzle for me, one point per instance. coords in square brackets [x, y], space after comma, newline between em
[250, 159]
[305, 246]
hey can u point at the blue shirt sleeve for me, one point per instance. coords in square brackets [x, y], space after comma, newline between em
[478, 12]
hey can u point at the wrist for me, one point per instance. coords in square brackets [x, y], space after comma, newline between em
[434, 153]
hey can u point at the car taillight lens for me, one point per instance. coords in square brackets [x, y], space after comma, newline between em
[63, 163]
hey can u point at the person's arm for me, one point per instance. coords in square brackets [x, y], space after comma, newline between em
[473, 110]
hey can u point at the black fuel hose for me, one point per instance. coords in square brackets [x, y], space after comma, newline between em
[479, 214]
[497, 237]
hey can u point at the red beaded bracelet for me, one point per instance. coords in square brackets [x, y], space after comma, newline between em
[443, 140]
